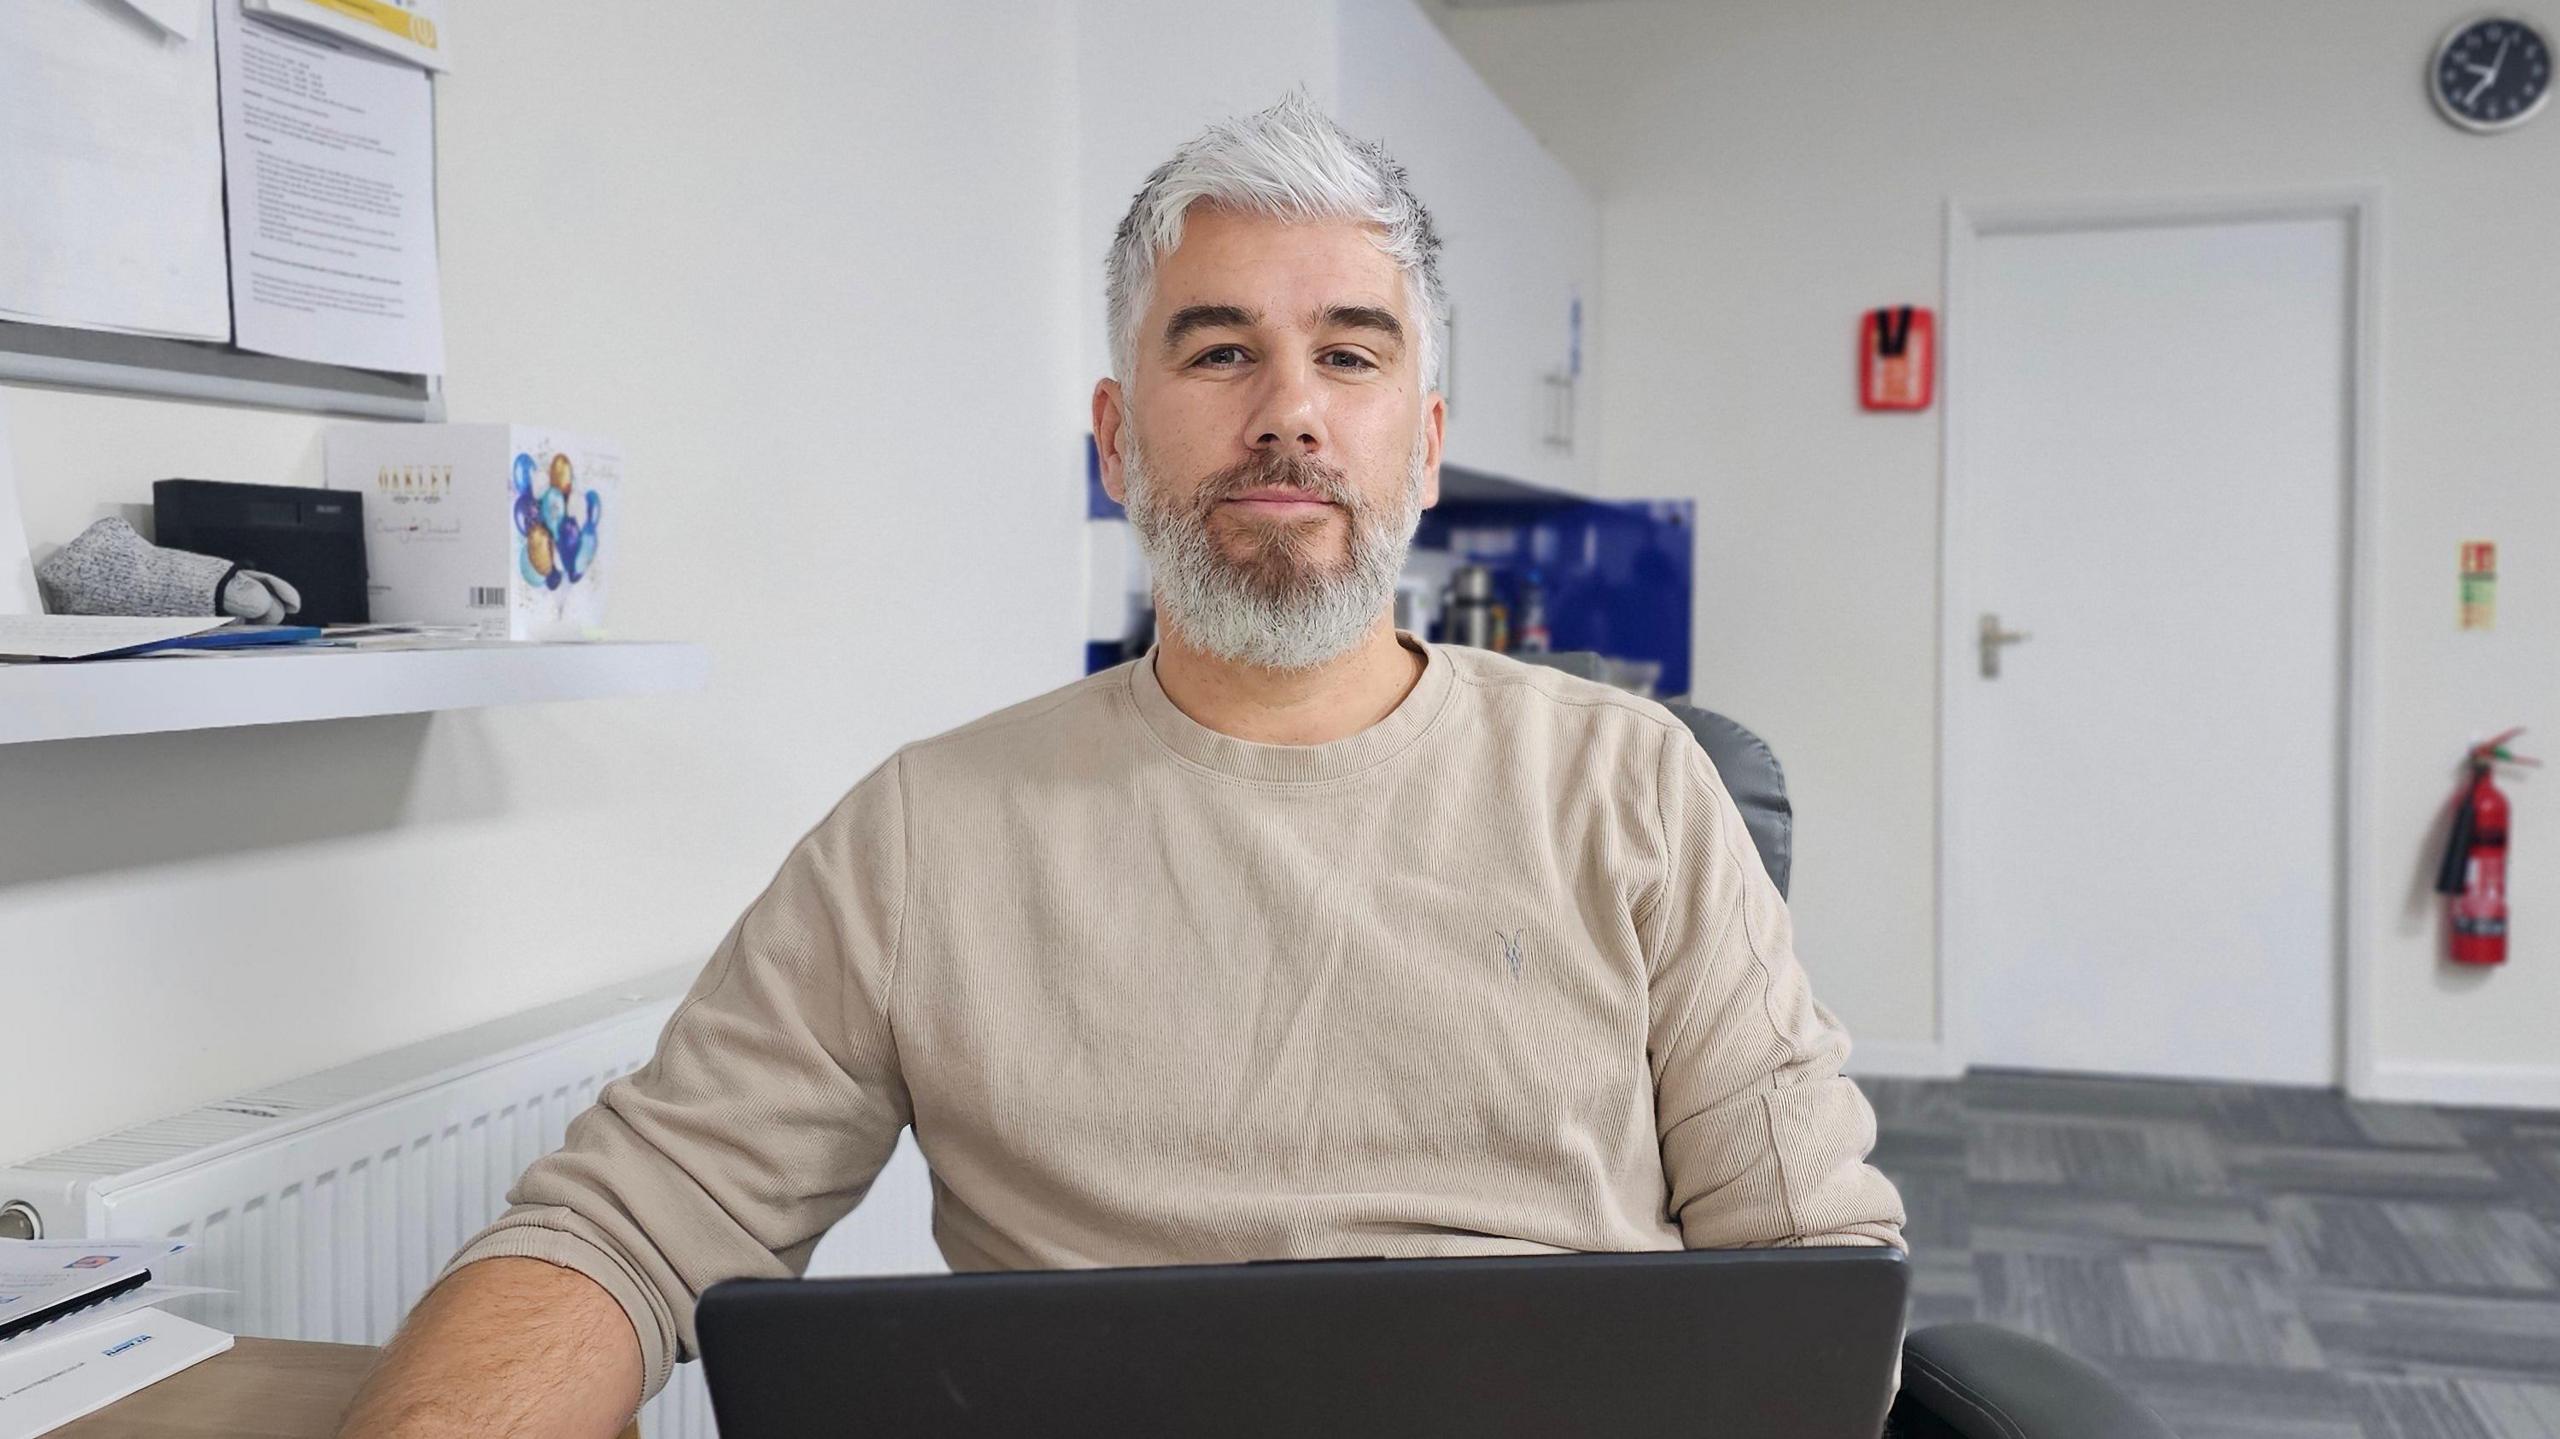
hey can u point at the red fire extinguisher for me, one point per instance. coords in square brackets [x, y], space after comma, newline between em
[2474, 872]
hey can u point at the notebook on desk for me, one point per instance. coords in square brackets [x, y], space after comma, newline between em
[48, 1380]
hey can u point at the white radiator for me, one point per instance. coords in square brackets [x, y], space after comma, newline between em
[328, 1202]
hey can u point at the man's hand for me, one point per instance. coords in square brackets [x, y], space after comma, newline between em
[505, 1347]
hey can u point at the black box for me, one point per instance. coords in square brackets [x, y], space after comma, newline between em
[311, 539]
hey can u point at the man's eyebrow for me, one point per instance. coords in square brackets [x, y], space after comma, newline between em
[1361, 317]
[1207, 317]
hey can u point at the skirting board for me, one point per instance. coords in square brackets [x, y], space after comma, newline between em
[2487, 1086]
[1900, 1059]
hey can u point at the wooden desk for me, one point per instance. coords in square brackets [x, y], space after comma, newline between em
[258, 1389]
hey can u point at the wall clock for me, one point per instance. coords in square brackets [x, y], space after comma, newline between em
[2492, 73]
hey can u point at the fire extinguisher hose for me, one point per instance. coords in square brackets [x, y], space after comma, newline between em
[2453, 874]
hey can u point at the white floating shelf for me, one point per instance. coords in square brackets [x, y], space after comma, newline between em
[147, 694]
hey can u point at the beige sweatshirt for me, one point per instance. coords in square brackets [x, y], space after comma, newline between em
[1500, 974]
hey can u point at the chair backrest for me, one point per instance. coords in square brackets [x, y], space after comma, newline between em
[1750, 772]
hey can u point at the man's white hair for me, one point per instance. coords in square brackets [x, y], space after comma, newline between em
[1293, 163]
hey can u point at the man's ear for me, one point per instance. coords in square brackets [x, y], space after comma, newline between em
[1110, 437]
[1435, 423]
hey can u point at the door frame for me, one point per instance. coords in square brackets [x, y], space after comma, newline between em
[2352, 849]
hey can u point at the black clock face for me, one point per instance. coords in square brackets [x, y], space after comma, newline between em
[2492, 73]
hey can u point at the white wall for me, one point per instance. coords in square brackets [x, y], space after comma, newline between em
[820, 292]
[1520, 236]
[1770, 168]
[1152, 74]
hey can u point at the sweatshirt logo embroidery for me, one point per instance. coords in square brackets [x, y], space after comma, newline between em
[1511, 949]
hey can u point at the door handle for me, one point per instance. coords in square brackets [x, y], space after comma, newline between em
[1995, 639]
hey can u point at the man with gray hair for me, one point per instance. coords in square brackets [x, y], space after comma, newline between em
[1296, 937]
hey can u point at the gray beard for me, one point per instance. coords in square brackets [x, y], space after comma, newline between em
[1280, 607]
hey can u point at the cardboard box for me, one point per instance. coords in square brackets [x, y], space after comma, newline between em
[507, 529]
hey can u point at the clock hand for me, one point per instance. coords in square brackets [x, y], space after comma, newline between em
[2488, 73]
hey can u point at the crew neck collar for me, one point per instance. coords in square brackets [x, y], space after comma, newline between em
[1295, 763]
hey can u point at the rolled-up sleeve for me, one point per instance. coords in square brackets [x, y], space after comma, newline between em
[1764, 1141]
[769, 1107]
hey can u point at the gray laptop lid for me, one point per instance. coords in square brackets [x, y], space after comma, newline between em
[1758, 1344]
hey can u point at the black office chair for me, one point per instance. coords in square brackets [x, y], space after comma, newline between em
[1959, 1381]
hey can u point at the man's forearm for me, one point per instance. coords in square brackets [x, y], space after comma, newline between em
[505, 1347]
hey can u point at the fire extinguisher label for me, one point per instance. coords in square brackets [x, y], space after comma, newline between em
[2479, 913]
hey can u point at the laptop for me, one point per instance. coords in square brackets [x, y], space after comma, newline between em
[1781, 1343]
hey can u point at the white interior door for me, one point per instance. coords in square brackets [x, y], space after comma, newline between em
[2150, 482]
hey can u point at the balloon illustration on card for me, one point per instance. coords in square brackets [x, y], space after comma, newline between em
[557, 523]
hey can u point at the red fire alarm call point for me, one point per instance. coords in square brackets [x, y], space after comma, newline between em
[1897, 358]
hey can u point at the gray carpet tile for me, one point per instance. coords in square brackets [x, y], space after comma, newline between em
[2378, 1173]
[2498, 1338]
[2533, 1172]
[2221, 1401]
[2254, 1262]
[2415, 1245]
[2515, 1411]
[2411, 1125]
[2101, 1156]
[2134, 1217]
[2418, 1409]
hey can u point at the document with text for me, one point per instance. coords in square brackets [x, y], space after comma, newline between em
[18, 592]
[110, 172]
[331, 177]
[411, 30]
[80, 637]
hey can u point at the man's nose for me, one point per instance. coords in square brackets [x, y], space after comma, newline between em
[1288, 414]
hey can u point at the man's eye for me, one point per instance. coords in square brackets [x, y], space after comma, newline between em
[1348, 360]
[1221, 355]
